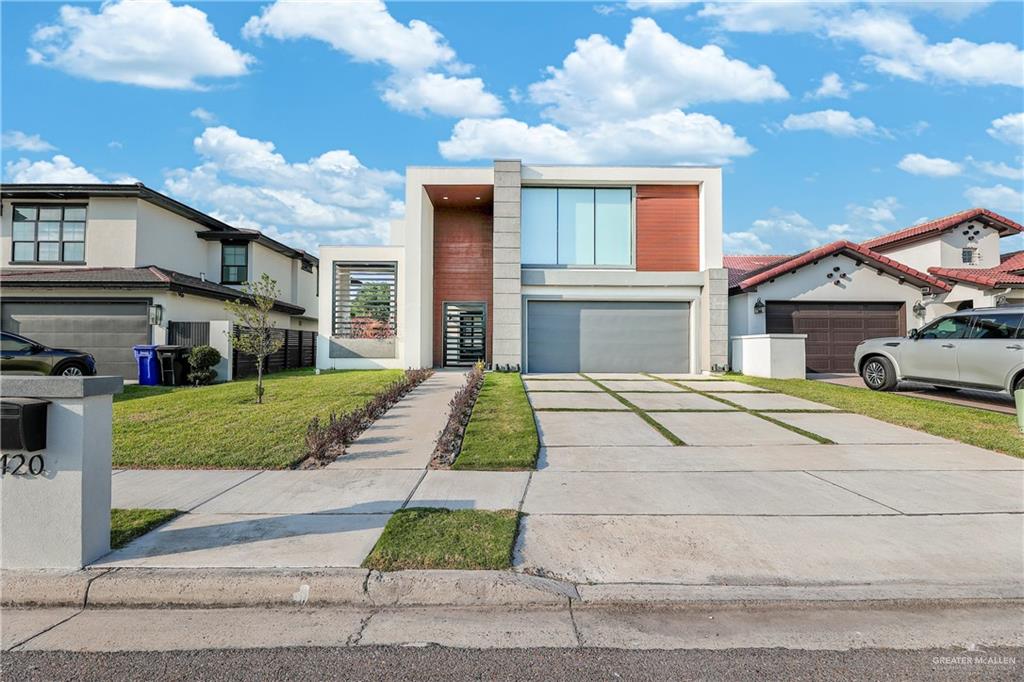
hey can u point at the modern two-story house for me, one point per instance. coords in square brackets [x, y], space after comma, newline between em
[101, 268]
[843, 293]
[544, 268]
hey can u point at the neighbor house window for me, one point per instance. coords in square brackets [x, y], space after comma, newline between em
[234, 265]
[48, 233]
[577, 226]
[365, 300]
[969, 255]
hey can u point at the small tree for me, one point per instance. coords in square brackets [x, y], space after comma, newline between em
[255, 332]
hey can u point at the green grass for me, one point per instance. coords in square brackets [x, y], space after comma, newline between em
[501, 434]
[221, 427]
[428, 537]
[128, 524]
[985, 429]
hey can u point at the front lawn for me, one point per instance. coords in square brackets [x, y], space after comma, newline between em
[221, 427]
[128, 524]
[501, 434]
[429, 537]
[990, 430]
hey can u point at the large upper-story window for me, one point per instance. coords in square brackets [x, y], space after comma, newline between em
[234, 263]
[577, 226]
[48, 233]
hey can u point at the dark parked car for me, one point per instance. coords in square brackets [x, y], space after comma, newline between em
[19, 355]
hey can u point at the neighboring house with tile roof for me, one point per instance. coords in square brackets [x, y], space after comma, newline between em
[101, 268]
[842, 293]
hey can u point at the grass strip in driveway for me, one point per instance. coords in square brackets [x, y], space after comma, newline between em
[221, 427]
[501, 434]
[128, 524]
[654, 424]
[430, 537]
[982, 428]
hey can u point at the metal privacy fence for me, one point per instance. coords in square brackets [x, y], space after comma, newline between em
[298, 349]
[188, 333]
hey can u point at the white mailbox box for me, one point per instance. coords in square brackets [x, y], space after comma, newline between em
[55, 501]
[773, 356]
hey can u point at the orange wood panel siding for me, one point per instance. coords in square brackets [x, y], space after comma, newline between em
[463, 240]
[667, 228]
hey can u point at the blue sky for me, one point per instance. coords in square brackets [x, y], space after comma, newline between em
[841, 120]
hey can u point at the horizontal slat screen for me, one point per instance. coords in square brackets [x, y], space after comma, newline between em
[365, 300]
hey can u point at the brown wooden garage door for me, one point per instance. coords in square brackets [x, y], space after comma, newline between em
[834, 329]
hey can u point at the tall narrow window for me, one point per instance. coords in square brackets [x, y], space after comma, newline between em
[48, 233]
[234, 263]
[613, 219]
[576, 227]
[539, 225]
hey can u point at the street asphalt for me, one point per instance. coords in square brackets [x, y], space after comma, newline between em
[438, 663]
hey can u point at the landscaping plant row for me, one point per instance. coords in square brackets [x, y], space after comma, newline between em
[326, 440]
[460, 409]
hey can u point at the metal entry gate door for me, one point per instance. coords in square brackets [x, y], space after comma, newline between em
[465, 333]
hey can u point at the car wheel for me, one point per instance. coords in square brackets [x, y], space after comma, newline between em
[1018, 385]
[879, 374]
[71, 369]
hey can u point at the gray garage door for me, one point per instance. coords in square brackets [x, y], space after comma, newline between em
[600, 336]
[107, 330]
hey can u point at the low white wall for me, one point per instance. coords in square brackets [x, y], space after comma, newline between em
[772, 356]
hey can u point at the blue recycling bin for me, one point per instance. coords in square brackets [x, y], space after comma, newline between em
[149, 365]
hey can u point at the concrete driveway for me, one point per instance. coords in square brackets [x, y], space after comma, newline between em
[700, 487]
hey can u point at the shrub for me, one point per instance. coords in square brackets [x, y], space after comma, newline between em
[326, 441]
[460, 408]
[201, 361]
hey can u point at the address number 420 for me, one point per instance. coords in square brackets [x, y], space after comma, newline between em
[21, 465]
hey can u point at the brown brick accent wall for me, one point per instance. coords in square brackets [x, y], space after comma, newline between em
[463, 241]
[667, 227]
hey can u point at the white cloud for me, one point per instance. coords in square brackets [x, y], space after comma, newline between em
[363, 30]
[999, 198]
[999, 170]
[791, 228]
[58, 169]
[741, 243]
[1009, 129]
[895, 47]
[657, 5]
[23, 142]
[673, 137]
[153, 44]
[330, 198]
[875, 215]
[767, 17]
[367, 32]
[445, 95]
[203, 115]
[892, 43]
[838, 123]
[652, 71]
[919, 164]
[833, 86]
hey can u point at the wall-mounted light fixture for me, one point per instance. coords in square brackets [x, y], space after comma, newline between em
[758, 307]
[156, 314]
[919, 308]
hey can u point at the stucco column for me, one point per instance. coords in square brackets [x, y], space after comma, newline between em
[715, 304]
[55, 502]
[507, 313]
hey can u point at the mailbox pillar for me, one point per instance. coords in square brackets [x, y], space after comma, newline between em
[55, 502]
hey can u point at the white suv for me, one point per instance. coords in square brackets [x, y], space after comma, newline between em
[981, 348]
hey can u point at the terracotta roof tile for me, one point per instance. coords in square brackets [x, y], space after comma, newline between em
[939, 225]
[742, 266]
[847, 247]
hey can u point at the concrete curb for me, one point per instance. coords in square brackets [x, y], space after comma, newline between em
[241, 587]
